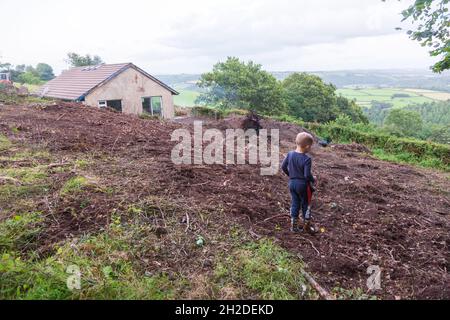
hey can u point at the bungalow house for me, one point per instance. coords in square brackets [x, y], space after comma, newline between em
[124, 87]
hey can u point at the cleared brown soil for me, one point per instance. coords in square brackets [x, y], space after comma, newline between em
[371, 212]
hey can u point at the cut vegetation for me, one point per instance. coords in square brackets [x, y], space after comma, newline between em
[97, 189]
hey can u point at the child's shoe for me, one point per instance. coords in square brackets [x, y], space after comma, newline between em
[294, 225]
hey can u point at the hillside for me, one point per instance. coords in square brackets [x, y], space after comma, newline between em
[363, 85]
[348, 78]
[103, 185]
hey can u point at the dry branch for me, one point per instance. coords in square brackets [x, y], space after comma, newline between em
[322, 292]
[4, 179]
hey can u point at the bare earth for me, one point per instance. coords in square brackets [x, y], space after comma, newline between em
[372, 212]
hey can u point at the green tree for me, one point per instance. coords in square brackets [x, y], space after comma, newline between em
[238, 84]
[311, 99]
[16, 72]
[5, 66]
[44, 71]
[401, 122]
[29, 77]
[440, 134]
[433, 31]
[76, 60]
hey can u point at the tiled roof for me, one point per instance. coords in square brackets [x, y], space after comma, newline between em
[75, 83]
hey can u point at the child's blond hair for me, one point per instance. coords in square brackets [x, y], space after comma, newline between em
[304, 139]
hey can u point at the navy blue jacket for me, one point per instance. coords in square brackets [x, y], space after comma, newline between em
[298, 166]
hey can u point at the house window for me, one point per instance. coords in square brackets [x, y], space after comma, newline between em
[114, 104]
[152, 105]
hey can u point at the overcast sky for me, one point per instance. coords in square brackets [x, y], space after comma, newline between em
[180, 36]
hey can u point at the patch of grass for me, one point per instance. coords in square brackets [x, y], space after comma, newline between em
[26, 175]
[106, 272]
[265, 269]
[235, 112]
[19, 232]
[31, 87]
[31, 155]
[81, 163]
[74, 185]
[5, 144]
[14, 99]
[209, 112]
[408, 158]
[186, 98]
[28, 181]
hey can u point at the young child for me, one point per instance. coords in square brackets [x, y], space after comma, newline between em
[297, 166]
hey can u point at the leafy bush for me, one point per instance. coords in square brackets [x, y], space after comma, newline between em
[416, 148]
[29, 78]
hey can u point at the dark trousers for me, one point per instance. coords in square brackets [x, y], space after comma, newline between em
[299, 197]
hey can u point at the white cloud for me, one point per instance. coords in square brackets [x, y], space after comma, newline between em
[190, 36]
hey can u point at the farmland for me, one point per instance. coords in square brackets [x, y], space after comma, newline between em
[186, 98]
[396, 96]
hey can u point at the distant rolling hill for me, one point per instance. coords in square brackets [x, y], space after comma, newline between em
[347, 80]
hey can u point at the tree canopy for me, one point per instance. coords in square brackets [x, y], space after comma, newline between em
[28, 74]
[403, 122]
[311, 99]
[76, 60]
[44, 71]
[236, 84]
[433, 30]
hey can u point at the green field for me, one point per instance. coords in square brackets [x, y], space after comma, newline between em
[30, 87]
[186, 98]
[364, 97]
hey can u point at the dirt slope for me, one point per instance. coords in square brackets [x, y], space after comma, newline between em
[372, 212]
